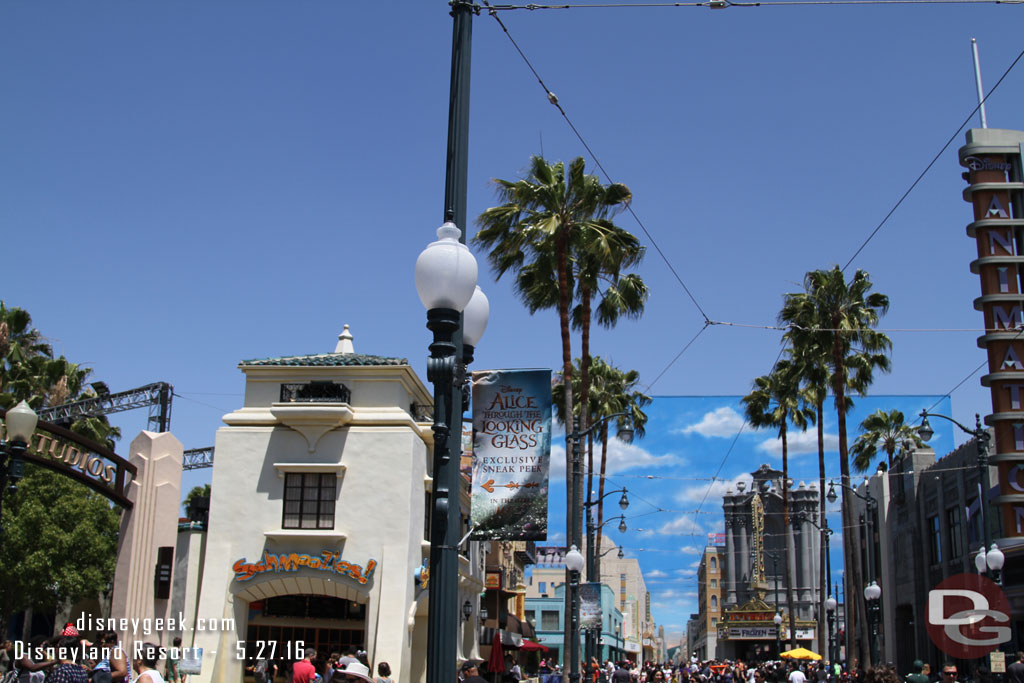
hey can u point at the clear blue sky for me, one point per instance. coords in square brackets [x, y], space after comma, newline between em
[185, 185]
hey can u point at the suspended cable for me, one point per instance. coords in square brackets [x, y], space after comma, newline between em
[932, 163]
[553, 99]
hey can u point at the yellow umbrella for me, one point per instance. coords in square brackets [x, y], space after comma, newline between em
[800, 653]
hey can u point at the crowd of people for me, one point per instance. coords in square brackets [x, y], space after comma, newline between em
[780, 671]
[69, 657]
[64, 659]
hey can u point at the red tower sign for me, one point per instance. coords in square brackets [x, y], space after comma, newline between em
[996, 191]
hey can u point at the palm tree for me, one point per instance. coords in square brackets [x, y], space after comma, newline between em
[810, 365]
[542, 216]
[840, 316]
[885, 429]
[775, 402]
[618, 394]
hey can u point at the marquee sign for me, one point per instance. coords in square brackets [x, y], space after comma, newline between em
[994, 177]
[84, 460]
[328, 561]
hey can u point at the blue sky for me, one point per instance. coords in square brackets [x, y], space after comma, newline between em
[185, 185]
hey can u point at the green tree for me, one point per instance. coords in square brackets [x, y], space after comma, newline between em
[59, 543]
[540, 218]
[775, 402]
[839, 316]
[59, 538]
[196, 492]
[885, 429]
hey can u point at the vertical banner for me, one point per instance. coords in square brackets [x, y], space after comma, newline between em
[590, 605]
[511, 454]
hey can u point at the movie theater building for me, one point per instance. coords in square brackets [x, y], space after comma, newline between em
[318, 516]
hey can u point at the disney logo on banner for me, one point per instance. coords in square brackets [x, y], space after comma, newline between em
[964, 614]
[976, 164]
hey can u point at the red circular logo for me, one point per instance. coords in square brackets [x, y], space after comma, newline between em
[968, 616]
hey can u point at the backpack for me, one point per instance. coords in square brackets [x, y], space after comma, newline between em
[259, 672]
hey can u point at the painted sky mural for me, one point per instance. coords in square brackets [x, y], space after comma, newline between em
[696, 448]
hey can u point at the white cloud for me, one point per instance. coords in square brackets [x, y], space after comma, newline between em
[690, 550]
[673, 594]
[555, 538]
[685, 524]
[721, 422]
[694, 564]
[621, 457]
[798, 443]
[710, 492]
[656, 574]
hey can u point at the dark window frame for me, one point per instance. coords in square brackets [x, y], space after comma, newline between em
[956, 531]
[935, 545]
[316, 500]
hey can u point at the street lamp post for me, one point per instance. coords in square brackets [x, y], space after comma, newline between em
[590, 638]
[20, 424]
[830, 611]
[868, 519]
[457, 313]
[873, 594]
[574, 564]
[625, 433]
[990, 562]
[826, 532]
[982, 440]
[778, 634]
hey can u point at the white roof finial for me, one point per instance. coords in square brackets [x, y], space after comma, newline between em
[345, 342]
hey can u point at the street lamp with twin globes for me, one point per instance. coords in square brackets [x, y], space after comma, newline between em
[990, 562]
[457, 312]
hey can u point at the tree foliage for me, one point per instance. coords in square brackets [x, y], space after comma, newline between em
[59, 543]
[882, 429]
[58, 539]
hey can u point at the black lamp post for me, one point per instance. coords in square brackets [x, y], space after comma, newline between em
[20, 424]
[778, 634]
[826, 534]
[625, 433]
[830, 611]
[873, 595]
[457, 313]
[574, 564]
[868, 520]
[982, 440]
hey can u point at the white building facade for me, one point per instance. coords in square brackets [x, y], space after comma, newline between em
[318, 517]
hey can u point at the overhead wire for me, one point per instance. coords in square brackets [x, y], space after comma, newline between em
[722, 4]
[932, 162]
[553, 99]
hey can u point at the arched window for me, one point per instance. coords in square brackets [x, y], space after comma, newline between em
[714, 602]
[714, 563]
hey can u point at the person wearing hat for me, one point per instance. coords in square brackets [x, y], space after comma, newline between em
[353, 672]
[916, 676]
[470, 672]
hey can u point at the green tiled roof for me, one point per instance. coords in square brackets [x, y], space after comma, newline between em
[327, 359]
